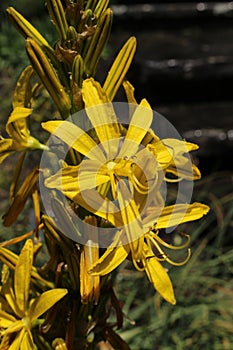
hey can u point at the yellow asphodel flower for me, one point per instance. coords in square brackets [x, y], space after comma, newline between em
[146, 251]
[20, 138]
[109, 161]
[114, 158]
[18, 314]
[17, 124]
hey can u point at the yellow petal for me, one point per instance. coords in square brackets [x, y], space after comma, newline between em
[23, 90]
[129, 90]
[176, 214]
[138, 127]
[101, 115]
[27, 341]
[112, 258]
[75, 137]
[14, 328]
[132, 221]
[77, 178]
[159, 277]
[119, 68]
[45, 301]
[89, 285]
[10, 259]
[18, 130]
[6, 319]
[163, 154]
[180, 146]
[22, 275]
[183, 168]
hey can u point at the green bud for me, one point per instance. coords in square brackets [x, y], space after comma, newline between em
[78, 70]
[48, 77]
[95, 46]
[58, 17]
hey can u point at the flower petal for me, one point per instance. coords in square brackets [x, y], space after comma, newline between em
[92, 201]
[131, 220]
[77, 178]
[6, 319]
[27, 341]
[45, 301]
[22, 275]
[102, 116]
[176, 214]
[75, 137]
[112, 258]
[159, 277]
[138, 127]
[129, 90]
[16, 125]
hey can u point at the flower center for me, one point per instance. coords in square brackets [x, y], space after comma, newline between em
[126, 168]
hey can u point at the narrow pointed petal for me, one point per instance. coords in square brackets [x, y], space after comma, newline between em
[159, 277]
[14, 327]
[20, 130]
[75, 137]
[129, 90]
[110, 260]
[24, 90]
[93, 202]
[138, 127]
[23, 274]
[101, 115]
[27, 341]
[132, 221]
[6, 319]
[77, 178]
[176, 214]
[45, 301]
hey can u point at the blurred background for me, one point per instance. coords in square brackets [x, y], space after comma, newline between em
[184, 67]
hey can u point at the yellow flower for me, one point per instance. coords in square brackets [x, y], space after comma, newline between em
[114, 158]
[143, 239]
[17, 125]
[110, 160]
[17, 314]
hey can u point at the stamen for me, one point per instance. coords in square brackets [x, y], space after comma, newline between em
[161, 256]
[136, 265]
[170, 246]
[173, 180]
[174, 263]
